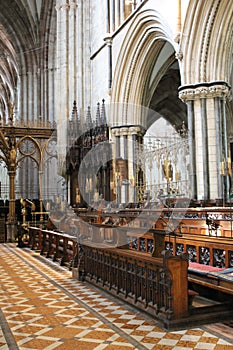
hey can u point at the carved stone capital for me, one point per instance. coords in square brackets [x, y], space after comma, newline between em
[179, 55]
[136, 130]
[116, 132]
[128, 130]
[73, 5]
[205, 90]
[220, 91]
[108, 40]
[124, 131]
[62, 5]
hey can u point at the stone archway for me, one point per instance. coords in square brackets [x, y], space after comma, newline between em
[206, 44]
[206, 78]
[138, 60]
[145, 86]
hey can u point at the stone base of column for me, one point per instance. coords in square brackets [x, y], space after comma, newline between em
[11, 231]
[75, 274]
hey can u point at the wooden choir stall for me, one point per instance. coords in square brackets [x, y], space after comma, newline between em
[158, 259]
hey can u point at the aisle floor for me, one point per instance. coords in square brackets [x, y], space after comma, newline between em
[43, 307]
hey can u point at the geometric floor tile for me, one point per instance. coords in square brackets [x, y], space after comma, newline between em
[43, 307]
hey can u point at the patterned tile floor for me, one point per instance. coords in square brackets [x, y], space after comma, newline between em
[42, 307]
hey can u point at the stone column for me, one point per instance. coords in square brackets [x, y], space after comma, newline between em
[117, 13]
[133, 133]
[124, 155]
[72, 40]
[208, 144]
[108, 40]
[191, 142]
[107, 16]
[122, 11]
[112, 15]
[115, 132]
[125, 140]
[66, 68]
[11, 219]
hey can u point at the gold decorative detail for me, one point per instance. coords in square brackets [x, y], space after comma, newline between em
[168, 170]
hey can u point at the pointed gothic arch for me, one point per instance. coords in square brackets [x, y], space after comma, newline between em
[147, 37]
[207, 41]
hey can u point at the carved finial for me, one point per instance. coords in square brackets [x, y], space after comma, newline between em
[74, 114]
[103, 113]
[179, 55]
[88, 118]
[98, 115]
[11, 112]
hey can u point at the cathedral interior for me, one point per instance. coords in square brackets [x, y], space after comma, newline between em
[116, 184]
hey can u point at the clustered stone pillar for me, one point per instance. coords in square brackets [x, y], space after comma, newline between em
[208, 141]
[67, 34]
[117, 11]
[11, 219]
[125, 139]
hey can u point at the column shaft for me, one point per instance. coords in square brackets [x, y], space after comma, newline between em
[66, 71]
[225, 151]
[191, 136]
[122, 11]
[199, 146]
[218, 128]
[205, 149]
[125, 148]
[211, 141]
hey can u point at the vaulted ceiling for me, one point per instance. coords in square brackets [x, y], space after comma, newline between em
[24, 27]
[165, 99]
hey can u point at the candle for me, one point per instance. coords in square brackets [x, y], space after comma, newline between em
[96, 196]
[223, 168]
[77, 198]
[90, 184]
[62, 206]
[229, 166]
[132, 181]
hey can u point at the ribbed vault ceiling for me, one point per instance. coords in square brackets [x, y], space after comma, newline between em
[21, 38]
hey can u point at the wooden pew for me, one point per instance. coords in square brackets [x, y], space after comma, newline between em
[57, 246]
[207, 276]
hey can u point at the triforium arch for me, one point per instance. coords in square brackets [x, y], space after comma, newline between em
[145, 88]
[206, 90]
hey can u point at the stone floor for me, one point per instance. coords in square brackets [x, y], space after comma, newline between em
[42, 307]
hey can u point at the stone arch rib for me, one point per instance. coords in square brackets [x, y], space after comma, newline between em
[206, 42]
[147, 29]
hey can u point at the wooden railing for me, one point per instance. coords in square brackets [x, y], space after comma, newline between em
[131, 255]
[205, 234]
[55, 245]
[158, 286]
[214, 251]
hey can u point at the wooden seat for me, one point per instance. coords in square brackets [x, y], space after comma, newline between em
[191, 295]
